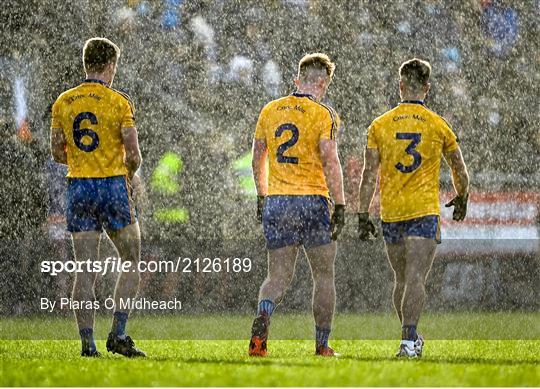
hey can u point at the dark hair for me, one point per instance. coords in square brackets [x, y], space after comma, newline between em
[98, 53]
[415, 73]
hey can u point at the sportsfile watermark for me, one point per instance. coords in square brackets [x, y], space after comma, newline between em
[219, 282]
[179, 265]
[66, 303]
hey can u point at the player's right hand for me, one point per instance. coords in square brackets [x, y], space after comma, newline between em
[260, 207]
[460, 207]
[366, 229]
[137, 191]
[338, 220]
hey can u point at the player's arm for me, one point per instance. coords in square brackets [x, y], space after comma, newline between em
[258, 164]
[259, 151]
[369, 179]
[460, 180]
[332, 170]
[334, 179]
[133, 158]
[58, 146]
[460, 176]
[366, 228]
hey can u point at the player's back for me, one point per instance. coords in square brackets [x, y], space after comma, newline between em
[91, 117]
[292, 128]
[411, 140]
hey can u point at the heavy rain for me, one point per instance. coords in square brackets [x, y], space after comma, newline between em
[200, 71]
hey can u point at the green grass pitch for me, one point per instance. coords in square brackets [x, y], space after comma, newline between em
[496, 352]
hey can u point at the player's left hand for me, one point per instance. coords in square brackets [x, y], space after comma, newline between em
[338, 220]
[260, 207]
[460, 207]
[366, 229]
[137, 191]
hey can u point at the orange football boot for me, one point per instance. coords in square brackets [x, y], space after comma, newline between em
[259, 335]
[325, 351]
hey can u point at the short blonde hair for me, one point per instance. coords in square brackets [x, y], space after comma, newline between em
[415, 73]
[315, 61]
[98, 53]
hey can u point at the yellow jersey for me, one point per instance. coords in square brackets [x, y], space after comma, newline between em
[91, 117]
[292, 127]
[411, 141]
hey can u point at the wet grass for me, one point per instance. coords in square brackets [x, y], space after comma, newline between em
[290, 363]
[509, 357]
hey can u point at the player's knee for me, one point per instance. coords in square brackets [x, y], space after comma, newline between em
[414, 276]
[324, 279]
[399, 285]
[83, 291]
[415, 285]
[84, 280]
[399, 279]
[133, 276]
[323, 271]
[137, 277]
[131, 255]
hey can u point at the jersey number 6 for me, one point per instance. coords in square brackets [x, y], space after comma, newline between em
[411, 150]
[287, 145]
[79, 133]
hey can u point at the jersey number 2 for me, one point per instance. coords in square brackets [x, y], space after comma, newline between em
[287, 145]
[79, 133]
[411, 150]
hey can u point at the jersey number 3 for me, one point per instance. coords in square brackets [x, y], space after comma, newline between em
[411, 150]
[79, 133]
[287, 145]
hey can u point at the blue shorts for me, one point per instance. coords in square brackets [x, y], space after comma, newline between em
[296, 220]
[424, 227]
[97, 203]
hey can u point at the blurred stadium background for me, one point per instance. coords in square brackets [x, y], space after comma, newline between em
[200, 71]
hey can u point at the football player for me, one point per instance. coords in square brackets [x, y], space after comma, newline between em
[298, 135]
[406, 145]
[93, 133]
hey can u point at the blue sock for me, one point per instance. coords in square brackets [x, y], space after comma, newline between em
[266, 307]
[119, 323]
[87, 339]
[408, 333]
[321, 336]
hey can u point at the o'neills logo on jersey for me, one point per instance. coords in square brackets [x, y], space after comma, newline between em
[71, 99]
[288, 107]
[403, 117]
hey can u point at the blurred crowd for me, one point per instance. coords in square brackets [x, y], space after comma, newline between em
[199, 71]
